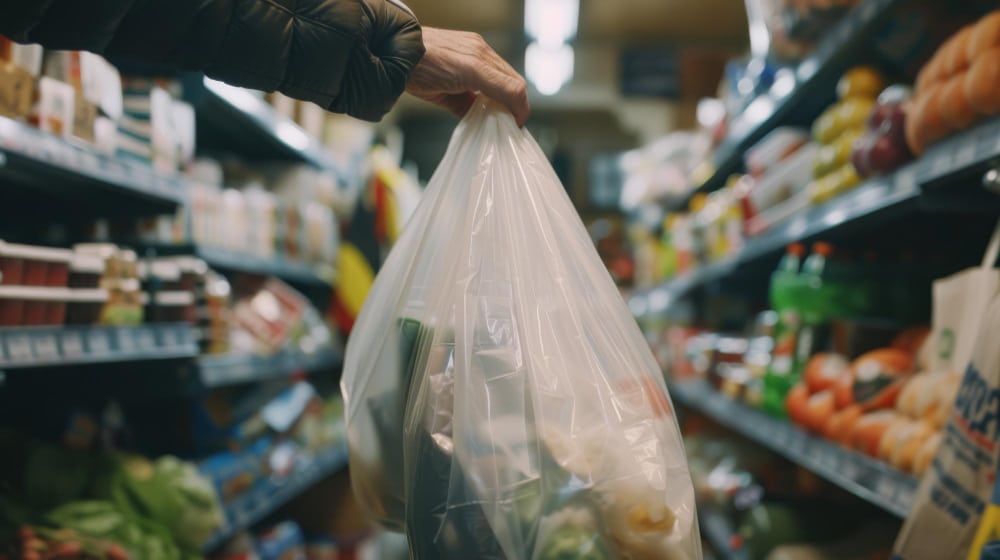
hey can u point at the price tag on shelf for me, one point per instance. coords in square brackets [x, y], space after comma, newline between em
[850, 468]
[782, 437]
[966, 153]
[169, 338]
[830, 458]
[98, 342]
[797, 443]
[89, 162]
[905, 494]
[46, 347]
[126, 340]
[868, 11]
[145, 340]
[72, 344]
[885, 487]
[19, 348]
[941, 164]
[905, 180]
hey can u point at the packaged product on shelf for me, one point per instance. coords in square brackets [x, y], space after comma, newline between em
[55, 106]
[778, 145]
[283, 105]
[780, 376]
[312, 118]
[882, 148]
[283, 541]
[500, 478]
[20, 65]
[837, 129]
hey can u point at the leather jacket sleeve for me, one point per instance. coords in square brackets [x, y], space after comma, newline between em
[348, 56]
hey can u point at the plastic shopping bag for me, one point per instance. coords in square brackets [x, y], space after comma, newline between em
[957, 488]
[960, 302]
[501, 401]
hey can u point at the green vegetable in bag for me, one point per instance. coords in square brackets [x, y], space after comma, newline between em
[572, 535]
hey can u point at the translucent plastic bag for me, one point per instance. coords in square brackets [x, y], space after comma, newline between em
[501, 401]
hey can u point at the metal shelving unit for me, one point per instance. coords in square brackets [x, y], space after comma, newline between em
[917, 186]
[799, 95]
[295, 272]
[863, 476]
[27, 347]
[248, 125]
[720, 535]
[226, 369]
[43, 161]
[265, 498]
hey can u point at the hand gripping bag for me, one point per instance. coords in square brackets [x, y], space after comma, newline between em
[501, 401]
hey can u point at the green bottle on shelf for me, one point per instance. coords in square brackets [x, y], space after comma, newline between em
[784, 295]
[822, 294]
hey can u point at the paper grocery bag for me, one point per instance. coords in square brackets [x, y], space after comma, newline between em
[960, 301]
[953, 493]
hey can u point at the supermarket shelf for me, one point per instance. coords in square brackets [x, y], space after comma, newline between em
[298, 273]
[659, 299]
[26, 347]
[29, 156]
[222, 370]
[269, 495]
[812, 80]
[248, 124]
[913, 186]
[719, 534]
[863, 476]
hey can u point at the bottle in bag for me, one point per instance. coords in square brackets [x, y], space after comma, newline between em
[784, 300]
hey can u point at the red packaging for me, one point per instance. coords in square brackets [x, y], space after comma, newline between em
[40, 266]
[85, 305]
[11, 308]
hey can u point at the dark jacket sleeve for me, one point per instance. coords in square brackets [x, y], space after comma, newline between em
[348, 56]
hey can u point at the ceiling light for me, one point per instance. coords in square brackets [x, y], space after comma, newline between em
[548, 68]
[551, 22]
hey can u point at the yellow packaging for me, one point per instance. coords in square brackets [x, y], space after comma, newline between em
[986, 543]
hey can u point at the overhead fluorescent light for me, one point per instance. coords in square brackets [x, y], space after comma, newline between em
[548, 68]
[551, 22]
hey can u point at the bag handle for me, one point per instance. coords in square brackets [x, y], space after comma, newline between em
[993, 249]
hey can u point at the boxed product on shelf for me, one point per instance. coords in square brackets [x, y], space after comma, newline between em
[20, 66]
[155, 125]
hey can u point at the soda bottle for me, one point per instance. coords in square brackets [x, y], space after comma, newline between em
[784, 300]
[819, 295]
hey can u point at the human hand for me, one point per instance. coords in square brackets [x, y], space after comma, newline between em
[456, 64]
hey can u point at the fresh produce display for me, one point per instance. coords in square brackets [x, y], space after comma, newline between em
[103, 504]
[957, 87]
[838, 128]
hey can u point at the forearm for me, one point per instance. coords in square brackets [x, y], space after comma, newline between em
[351, 56]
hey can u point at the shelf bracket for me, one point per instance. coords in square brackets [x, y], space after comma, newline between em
[991, 179]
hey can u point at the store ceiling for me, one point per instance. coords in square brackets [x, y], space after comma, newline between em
[712, 21]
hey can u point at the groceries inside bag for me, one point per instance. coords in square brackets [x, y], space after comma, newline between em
[501, 401]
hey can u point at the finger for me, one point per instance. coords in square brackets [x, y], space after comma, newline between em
[458, 103]
[506, 88]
